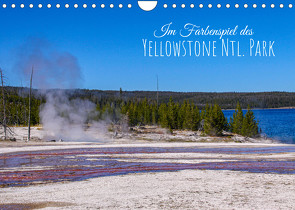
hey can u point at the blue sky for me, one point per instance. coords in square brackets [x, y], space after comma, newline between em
[108, 45]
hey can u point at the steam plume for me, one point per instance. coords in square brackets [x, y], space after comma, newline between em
[60, 117]
[53, 68]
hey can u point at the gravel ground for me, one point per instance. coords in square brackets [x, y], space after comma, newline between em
[188, 189]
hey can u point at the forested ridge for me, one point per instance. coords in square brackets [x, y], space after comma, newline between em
[226, 100]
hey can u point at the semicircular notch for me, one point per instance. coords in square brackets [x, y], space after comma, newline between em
[147, 5]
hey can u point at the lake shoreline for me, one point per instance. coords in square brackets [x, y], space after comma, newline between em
[264, 108]
[275, 123]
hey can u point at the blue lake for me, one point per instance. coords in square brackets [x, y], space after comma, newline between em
[278, 124]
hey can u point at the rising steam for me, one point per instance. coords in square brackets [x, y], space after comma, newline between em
[53, 69]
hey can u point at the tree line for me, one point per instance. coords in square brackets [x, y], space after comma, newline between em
[172, 115]
[187, 115]
[17, 108]
[226, 100]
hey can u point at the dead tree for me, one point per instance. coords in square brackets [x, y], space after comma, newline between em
[4, 121]
[157, 92]
[30, 95]
[4, 125]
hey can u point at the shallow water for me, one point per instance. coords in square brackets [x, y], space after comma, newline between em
[275, 123]
[74, 164]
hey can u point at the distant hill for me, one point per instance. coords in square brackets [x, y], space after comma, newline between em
[227, 100]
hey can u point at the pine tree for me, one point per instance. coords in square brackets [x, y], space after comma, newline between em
[187, 121]
[181, 115]
[140, 113]
[154, 114]
[172, 114]
[131, 114]
[220, 122]
[215, 122]
[236, 122]
[196, 118]
[163, 117]
[250, 125]
[146, 112]
[208, 120]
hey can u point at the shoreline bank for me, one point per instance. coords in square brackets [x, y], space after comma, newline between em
[263, 108]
